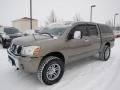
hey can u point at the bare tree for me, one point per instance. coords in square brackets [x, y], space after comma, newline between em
[52, 18]
[77, 17]
[109, 23]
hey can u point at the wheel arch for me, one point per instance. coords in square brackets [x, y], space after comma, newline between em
[107, 43]
[56, 54]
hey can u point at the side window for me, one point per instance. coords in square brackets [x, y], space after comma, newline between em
[92, 29]
[105, 29]
[82, 29]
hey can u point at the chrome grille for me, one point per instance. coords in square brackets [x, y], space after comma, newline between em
[16, 49]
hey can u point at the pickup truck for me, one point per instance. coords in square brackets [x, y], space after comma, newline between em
[58, 44]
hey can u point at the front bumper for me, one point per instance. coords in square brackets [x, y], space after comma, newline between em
[26, 64]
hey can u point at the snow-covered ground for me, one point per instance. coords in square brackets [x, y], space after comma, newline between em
[86, 74]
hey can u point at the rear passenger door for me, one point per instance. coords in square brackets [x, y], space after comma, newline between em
[94, 36]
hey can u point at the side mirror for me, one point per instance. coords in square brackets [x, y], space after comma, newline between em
[77, 35]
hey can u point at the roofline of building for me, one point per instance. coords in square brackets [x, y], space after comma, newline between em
[24, 18]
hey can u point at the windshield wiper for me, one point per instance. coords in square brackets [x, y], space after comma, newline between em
[47, 34]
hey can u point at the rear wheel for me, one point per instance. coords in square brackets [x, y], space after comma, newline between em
[105, 54]
[51, 70]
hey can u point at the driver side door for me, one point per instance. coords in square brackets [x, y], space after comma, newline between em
[78, 47]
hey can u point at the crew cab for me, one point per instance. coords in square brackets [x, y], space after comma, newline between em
[58, 44]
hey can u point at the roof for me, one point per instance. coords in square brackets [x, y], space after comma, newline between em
[27, 18]
[85, 22]
[24, 18]
[69, 23]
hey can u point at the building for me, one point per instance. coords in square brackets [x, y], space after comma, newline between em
[24, 23]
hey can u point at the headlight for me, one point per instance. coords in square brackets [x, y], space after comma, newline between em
[32, 51]
[6, 36]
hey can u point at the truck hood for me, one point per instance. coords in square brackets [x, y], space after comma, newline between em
[30, 40]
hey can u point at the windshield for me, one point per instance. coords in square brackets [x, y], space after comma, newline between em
[11, 30]
[56, 31]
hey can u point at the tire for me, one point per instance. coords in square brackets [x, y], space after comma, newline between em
[4, 44]
[48, 68]
[105, 54]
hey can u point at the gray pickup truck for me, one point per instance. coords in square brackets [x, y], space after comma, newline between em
[58, 44]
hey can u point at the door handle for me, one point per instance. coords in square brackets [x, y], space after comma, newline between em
[86, 40]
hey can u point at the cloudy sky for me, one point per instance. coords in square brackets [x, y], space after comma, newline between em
[64, 10]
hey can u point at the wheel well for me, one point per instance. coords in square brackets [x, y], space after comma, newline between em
[56, 54]
[107, 44]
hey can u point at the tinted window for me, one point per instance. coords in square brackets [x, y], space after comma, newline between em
[10, 30]
[81, 28]
[92, 29]
[105, 29]
[57, 31]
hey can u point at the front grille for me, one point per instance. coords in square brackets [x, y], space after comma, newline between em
[16, 49]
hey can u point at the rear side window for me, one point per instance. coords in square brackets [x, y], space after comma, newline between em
[92, 29]
[105, 29]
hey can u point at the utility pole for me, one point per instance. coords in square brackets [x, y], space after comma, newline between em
[115, 19]
[91, 11]
[31, 14]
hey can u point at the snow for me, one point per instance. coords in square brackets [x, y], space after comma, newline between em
[86, 74]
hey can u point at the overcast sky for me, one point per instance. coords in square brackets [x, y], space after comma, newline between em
[64, 10]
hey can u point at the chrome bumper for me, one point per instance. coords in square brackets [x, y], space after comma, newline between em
[13, 59]
[26, 64]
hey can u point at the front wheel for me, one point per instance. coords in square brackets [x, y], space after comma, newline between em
[105, 54]
[51, 70]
